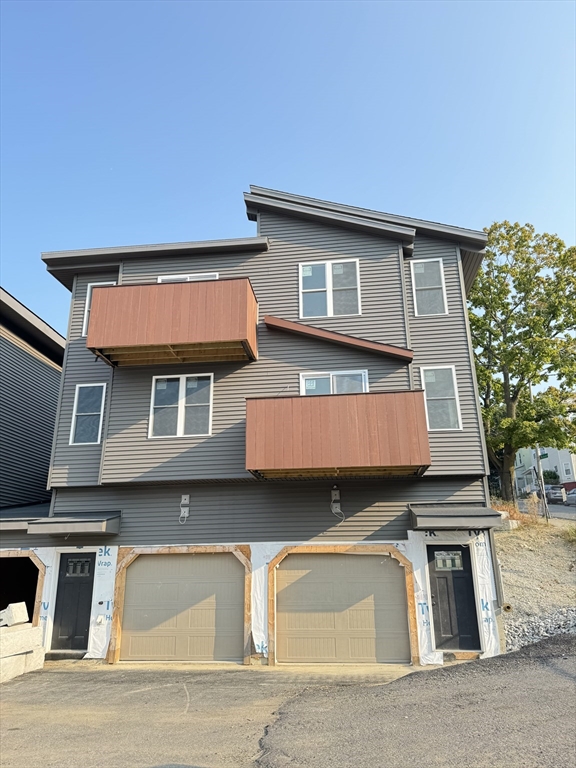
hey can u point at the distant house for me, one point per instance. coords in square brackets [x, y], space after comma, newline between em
[31, 357]
[563, 462]
[272, 445]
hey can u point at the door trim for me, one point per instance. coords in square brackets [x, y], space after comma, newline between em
[127, 555]
[347, 549]
[35, 618]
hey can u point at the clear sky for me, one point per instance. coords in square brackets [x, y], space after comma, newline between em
[144, 121]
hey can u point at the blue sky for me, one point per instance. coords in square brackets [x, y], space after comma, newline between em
[143, 122]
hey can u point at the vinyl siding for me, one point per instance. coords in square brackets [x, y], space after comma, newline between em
[29, 384]
[78, 464]
[443, 340]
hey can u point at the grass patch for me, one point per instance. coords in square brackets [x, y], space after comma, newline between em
[570, 534]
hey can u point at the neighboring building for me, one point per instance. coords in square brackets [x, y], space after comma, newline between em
[31, 354]
[272, 445]
[563, 462]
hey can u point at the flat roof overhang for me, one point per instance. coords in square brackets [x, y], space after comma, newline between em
[65, 526]
[453, 517]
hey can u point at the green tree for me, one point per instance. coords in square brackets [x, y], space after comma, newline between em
[523, 324]
[550, 476]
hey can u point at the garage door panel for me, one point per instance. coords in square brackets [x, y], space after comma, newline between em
[310, 649]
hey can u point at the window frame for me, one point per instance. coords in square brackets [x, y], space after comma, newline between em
[415, 290]
[329, 288]
[181, 406]
[197, 277]
[88, 302]
[74, 412]
[310, 374]
[424, 368]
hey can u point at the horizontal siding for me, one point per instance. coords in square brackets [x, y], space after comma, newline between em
[261, 511]
[78, 464]
[29, 385]
[443, 340]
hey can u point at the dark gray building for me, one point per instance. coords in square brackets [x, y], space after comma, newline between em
[272, 445]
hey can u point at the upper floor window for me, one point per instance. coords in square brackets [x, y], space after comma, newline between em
[188, 278]
[334, 383]
[567, 469]
[87, 414]
[181, 406]
[428, 287]
[329, 288]
[89, 303]
[442, 406]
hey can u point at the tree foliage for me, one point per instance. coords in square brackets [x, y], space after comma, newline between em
[523, 325]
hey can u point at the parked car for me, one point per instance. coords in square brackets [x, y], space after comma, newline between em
[570, 499]
[556, 494]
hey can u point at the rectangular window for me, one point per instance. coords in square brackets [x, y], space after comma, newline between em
[181, 406]
[330, 288]
[188, 278]
[442, 406]
[336, 383]
[87, 414]
[89, 304]
[428, 287]
[567, 469]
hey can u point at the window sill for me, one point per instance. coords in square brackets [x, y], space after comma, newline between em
[330, 317]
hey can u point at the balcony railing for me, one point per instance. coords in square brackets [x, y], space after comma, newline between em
[371, 434]
[195, 322]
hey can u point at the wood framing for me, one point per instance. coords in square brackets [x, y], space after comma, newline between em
[35, 618]
[347, 549]
[127, 555]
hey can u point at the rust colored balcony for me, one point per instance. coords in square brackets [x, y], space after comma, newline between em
[381, 434]
[196, 322]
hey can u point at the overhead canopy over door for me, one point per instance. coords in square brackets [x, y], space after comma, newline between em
[454, 517]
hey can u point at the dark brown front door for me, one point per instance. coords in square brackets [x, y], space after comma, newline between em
[453, 600]
[73, 602]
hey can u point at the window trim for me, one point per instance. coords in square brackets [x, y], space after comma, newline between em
[424, 368]
[88, 302]
[328, 289]
[181, 407]
[443, 286]
[310, 374]
[196, 277]
[74, 414]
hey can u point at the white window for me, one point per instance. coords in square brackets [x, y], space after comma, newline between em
[442, 406]
[333, 383]
[188, 278]
[181, 406]
[89, 304]
[567, 469]
[87, 414]
[329, 288]
[428, 287]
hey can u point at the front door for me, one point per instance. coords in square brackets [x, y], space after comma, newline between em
[73, 602]
[453, 600]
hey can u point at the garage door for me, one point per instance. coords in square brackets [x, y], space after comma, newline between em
[184, 608]
[341, 608]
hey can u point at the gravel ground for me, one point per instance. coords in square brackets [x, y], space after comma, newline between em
[539, 574]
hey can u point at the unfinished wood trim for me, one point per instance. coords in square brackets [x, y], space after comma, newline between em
[350, 549]
[35, 619]
[127, 555]
[389, 350]
[461, 655]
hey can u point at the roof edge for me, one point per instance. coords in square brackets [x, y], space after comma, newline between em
[31, 327]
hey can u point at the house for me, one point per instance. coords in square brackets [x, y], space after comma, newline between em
[31, 355]
[563, 462]
[272, 446]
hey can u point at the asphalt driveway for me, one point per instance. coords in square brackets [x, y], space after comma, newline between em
[515, 711]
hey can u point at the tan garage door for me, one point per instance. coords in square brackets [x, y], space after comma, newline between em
[184, 608]
[341, 608]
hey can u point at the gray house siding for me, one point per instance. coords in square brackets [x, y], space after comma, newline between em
[29, 384]
[443, 340]
[78, 464]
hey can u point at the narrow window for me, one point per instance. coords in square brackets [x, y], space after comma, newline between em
[567, 469]
[87, 414]
[442, 407]
[429, 288]
[329, 288]
[89, 304]
[181, 406]
[188, 278]
[338, 383]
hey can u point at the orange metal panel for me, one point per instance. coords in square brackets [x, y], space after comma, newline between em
[379, 431]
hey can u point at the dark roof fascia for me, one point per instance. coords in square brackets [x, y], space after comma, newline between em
[31, 328]
[388, 350]
[475, 239]
[406, 235]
